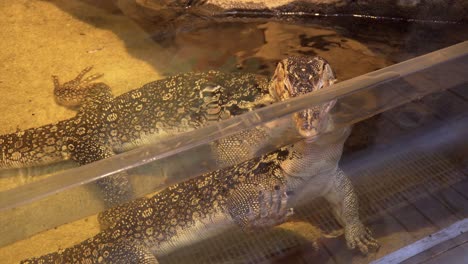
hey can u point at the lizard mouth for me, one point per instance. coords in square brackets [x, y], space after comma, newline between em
[313, 121]
[310, 123]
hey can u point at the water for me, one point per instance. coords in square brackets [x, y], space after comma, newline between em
[74, 35]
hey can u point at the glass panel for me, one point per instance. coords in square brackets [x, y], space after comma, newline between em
[405, 155]
[396, 167]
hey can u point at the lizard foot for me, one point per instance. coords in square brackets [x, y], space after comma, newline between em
[257, 206]
[357, 235]
[73, 92]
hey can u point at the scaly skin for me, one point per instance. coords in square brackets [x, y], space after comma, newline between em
[156, 110]
[105, 125]
[255, 193]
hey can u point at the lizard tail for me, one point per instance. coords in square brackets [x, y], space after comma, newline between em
[95, 250]
[35, 146]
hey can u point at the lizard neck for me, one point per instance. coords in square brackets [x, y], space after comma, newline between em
[309, 158]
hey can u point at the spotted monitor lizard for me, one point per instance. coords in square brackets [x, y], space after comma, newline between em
[256, 193]
[106, 125]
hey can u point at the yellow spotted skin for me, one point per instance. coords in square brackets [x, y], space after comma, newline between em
[166, 107]
[34, 146]
[106, 125]
[177, 104]
[146, 224]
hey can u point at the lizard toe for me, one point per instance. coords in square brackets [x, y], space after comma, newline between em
[357, 235]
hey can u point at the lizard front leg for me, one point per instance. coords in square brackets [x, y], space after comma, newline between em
[346, 209]
[239, 147]
[83, 143]
[74, 92]
[259, 204]
[116, 188]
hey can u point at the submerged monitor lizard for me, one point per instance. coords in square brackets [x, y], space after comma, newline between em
[156, 110]
[255, 193]
[105, 125]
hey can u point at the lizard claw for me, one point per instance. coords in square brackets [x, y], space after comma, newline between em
[357, 235]
[254, 205]
[272, 208]
[73, 92]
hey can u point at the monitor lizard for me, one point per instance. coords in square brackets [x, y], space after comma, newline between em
[105, 125]
[256, 193]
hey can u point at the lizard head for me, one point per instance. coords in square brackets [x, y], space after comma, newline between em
[296, 76]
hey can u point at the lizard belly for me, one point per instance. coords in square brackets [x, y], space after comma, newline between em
[312, 187]
[200, 230]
